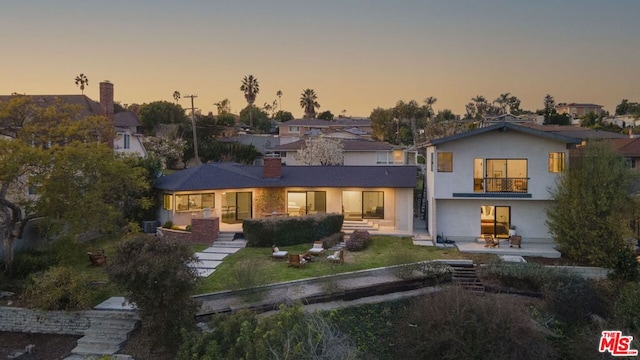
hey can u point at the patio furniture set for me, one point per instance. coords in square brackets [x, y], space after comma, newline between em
[299, 260]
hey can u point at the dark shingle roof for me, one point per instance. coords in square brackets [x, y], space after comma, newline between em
[214, 176]
[627, 147]
[87, 106]
[342, 122]
[527, 129]
[126, 119]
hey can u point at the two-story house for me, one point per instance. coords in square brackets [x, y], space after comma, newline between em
[294, 130]
[488, 180]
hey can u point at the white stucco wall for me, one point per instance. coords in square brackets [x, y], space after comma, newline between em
[497, 145]
[459, 217]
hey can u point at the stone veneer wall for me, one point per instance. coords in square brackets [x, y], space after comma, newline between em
[45, 322]
[203, 231]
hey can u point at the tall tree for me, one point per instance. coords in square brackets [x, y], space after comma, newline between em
[503, 102]
[279, 95]
[309, 103]
[160, 112]
[223, 106]
[251, 88]
[82, 81]
[382, 122]
[481, 106]
[176, 96]
[514, 105]
[325, 115]
[428, 103]
[549, 108]
[409, 112]
[593, 206]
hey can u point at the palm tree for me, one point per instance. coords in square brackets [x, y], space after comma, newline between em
[308, 103]
[502, 101]
[176, 96]
[251, 88]
[82, 81]
[428, 102]
[481, 105]
[279, 95]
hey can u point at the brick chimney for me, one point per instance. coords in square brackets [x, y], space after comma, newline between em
[106, 98]
[272, 168]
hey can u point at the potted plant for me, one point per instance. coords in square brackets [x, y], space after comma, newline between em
[512, 230]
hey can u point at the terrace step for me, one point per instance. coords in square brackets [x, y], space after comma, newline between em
[466, 277]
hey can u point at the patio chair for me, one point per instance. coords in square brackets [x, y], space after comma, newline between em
[296, 260]
[317, 248]
[337, 257]
[515, 240]
[277, 253]
[490, 241]
[97, 258]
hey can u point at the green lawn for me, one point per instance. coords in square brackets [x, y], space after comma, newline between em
[257, 263]
[382, 251]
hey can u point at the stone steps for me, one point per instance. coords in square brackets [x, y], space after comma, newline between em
[467, 278]
[109, 330]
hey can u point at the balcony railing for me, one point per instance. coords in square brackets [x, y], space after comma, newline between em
[506, 185]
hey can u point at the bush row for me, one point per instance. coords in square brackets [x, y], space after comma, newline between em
[285, 231]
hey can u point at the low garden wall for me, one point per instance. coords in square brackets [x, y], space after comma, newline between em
[14, 319]
[203, 231]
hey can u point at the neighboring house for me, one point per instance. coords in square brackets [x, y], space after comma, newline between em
[357, 152]
[233, 192]
[486, 180]
[622, 121]
[295, 129]
[490, 120]
[90, 107]
[578, 132]
[630, 149]
[577, 110]
[128, 134]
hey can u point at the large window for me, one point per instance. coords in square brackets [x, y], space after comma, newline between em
[445, 162]
[389, 157]
[373, 204]
[167, 201]
[306, 202]
[506, 175]
[556, 162]
[194, 202]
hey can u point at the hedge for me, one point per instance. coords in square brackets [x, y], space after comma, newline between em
[284, 231]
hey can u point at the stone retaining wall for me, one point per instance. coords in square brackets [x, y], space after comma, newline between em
[46, 322]
[203, 231]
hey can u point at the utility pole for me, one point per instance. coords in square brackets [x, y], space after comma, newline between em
[193, 126]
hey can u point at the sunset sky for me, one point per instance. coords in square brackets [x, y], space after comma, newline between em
[357, 55]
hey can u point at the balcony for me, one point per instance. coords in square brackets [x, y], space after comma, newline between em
[504, 185]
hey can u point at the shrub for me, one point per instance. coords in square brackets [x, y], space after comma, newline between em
[168, 225]
[359, 240]
[153, 273]
[456, 324]
[59, 288]
[627, 308]
[625, 266]
[32, 261]
[572, 299]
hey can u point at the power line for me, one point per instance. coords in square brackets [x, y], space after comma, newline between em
[193, 127]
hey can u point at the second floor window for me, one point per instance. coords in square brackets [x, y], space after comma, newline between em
[445, 162]
[556, 162]
[127, 141]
